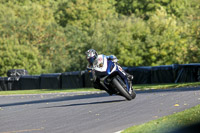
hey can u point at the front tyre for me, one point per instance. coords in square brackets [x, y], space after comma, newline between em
[122, 91]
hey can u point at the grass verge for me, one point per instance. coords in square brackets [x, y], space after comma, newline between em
[43, 91]
[168, 123]
[136, 87]
[165, 86]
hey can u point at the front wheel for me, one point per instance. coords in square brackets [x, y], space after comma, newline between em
[122, 91]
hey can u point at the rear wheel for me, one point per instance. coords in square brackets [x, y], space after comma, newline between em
[122, 91]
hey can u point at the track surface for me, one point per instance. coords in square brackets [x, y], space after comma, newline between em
[94, 112]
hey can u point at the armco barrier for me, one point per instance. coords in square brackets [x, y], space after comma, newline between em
[9, 83]
[174, 73]
[162, 74]
[29, 82]
[187, 73]
[50, 81]
[87, 79]
[142, 75]
[72, 79]
[3, 83]
[13, 83]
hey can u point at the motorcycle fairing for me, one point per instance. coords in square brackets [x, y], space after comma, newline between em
[113, 70]
[100, 64]
[103, 67]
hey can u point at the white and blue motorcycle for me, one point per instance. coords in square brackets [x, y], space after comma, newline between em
[112, 77]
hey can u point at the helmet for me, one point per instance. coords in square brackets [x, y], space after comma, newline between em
[91, 55]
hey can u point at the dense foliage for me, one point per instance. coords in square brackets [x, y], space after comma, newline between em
[47, 36]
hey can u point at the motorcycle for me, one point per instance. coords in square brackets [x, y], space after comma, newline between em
[112, 78]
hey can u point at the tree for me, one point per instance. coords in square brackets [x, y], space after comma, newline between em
[167, 43]
[15, 56]
[82, 13]
[146, 8]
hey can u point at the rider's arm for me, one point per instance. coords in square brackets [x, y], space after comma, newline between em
[89, 67]
[112, 57]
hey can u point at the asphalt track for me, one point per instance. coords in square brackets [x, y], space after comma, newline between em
[91, 112]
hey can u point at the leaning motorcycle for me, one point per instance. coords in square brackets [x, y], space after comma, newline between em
[112, 78]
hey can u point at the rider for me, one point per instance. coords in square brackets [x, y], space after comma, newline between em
[93, 58]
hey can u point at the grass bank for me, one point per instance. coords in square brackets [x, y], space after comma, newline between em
[136, 87]
[167, 124]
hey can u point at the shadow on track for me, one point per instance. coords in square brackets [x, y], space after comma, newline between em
[59, 99]
[76, 97]
[80, 104]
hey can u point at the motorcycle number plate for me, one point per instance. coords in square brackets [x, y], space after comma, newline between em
[101, 65]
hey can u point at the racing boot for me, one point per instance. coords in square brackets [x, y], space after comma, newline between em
[129, 76]
[130, 79]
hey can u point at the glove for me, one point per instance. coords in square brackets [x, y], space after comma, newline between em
[113, 58]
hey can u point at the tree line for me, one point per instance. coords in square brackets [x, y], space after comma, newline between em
[50, 36]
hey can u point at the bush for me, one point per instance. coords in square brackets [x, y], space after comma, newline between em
[15, 56]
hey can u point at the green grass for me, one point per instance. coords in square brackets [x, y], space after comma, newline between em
[168, 123]
[165, 86]
[136, 87]
[41, 91]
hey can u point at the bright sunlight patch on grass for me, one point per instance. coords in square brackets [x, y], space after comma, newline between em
[165, 86]
[169, 123]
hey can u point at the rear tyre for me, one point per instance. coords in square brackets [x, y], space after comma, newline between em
[122, 91]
